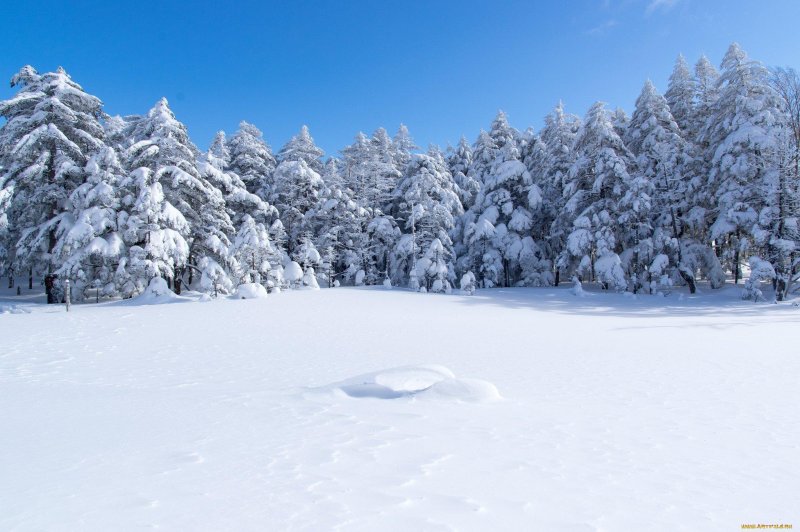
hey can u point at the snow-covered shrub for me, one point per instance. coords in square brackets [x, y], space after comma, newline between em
[467, 283]
[310, 279]
[577, 287]
[359, 280]
[760, 270]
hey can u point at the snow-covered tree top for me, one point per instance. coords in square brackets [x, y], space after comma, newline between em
[302, 147]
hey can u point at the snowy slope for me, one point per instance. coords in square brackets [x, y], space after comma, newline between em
[288, 413]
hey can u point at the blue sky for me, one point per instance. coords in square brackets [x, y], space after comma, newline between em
[442, 68]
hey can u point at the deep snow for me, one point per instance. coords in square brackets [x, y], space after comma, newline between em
[523, 409]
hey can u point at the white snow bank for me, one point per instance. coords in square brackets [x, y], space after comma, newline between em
[251, 291]
[428, 382]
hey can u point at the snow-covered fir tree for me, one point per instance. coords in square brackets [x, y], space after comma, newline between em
[680, 95]
[52, 128]
[251, 159]
[558, 137]
[596, 185]
[163, 153]
[301, 147]
[89, 244]
[427, 204]
[741, 135]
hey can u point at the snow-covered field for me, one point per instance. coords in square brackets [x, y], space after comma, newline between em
[288, 413]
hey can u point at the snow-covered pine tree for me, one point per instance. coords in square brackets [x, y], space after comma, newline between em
[403, 148]
[654, 138]
[427, 203]
[340, 225]
[218, 153]
[296, 194]
[386, 171]
[706, 83]
[162, 147]
[301, 147]
[238, 200]
[783, 199]
[52, 128]
[596, 184]
[89, 245]
[459, 161]
[251, 159]
[680, 96]
[153, 231]
[505, 201]
[537, 259]
[558, 137]
[742, 143]
[253, 255]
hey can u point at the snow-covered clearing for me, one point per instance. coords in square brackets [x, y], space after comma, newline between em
[287, 413]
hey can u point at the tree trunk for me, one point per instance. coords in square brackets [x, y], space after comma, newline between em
[689, 278]
[30, 279]
[558, 276]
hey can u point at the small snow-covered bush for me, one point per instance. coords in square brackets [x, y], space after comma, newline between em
[577, 287]
[760, 270]
[360, 274]
[310, 279]
[293, 274]
[467, 283]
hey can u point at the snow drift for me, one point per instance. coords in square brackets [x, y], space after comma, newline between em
[428, 382]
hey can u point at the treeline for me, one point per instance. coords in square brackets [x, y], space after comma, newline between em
[693, 185]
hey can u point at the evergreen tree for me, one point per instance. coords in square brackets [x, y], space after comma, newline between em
[218, 153]
[783, 198]
[595, 186]
[296, 193]
[162, 153]
[558, 137]
[741, 136]
[427, 202]
[89, 245]
[251, 159]
[301, 147]
[402, 148]
[680, 96]
[52, 128]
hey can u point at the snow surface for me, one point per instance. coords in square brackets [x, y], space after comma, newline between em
[359, 412]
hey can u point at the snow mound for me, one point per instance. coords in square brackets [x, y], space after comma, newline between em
[13, 309]
[425, 382]
[251, 291]
[156, 292]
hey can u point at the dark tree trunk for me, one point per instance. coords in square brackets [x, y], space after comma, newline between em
[30, 279]
[689, 278]
[558, 276]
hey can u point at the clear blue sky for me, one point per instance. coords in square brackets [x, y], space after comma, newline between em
[442, 68]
